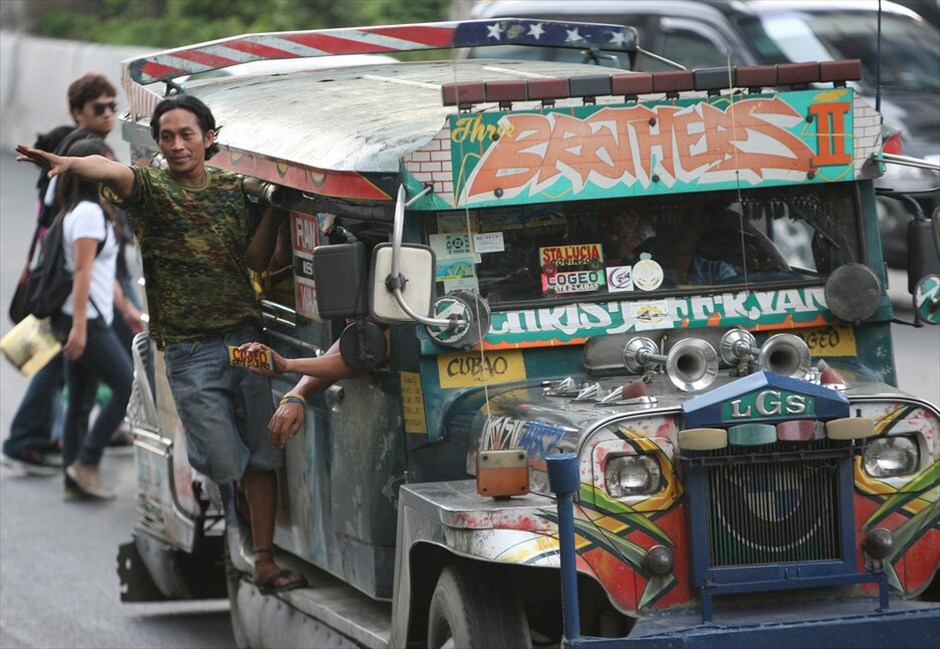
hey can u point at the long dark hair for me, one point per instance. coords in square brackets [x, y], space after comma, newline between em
[73, 189]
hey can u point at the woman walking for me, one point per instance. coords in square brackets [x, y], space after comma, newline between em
[92, 350]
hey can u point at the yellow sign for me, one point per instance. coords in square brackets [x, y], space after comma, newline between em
[413, 403]
[830, 340]
[465, 370]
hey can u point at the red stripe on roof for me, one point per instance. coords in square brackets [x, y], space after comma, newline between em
[335, 45]
[157, 70]
[436, 36]
[204, 58]
[264, 51]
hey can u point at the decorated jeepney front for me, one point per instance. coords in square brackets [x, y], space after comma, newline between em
[604, 236]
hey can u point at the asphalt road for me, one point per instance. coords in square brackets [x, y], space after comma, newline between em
[58, 581]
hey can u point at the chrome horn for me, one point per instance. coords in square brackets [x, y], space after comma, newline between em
[692, 364]
[785, 354]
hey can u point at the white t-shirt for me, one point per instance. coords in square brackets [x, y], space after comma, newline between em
[88, 221]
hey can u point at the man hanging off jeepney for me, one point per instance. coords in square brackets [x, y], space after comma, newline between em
[198, 239]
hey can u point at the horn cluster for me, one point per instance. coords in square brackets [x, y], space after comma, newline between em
[784, 354]
[692, 363]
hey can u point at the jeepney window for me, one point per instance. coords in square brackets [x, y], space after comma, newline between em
[583, 250]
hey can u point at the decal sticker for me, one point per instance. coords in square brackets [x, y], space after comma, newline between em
[578, 281]
[488, 242]
[305, 298]
[446, 246]
[834, 340]
[588, 254]
[471, 369]
[619, 279]
[647, 274]
[456, 268]
[413, 403]
[651, 315]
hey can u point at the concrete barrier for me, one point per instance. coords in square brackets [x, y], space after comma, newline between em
[34, 77]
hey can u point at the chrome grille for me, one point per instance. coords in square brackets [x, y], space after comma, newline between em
[773, 511]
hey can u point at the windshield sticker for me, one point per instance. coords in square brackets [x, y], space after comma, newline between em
[587, 254]
[681, 145]
[651, 315]
[647, 274]
[619, 279]
[457, 268]
[447, 246]
[488, 242]
[576, 281]
[571, 324]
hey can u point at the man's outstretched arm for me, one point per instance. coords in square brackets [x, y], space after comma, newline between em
[116, 175]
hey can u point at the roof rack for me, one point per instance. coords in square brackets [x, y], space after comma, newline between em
[214, 55]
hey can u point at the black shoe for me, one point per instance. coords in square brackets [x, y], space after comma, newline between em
[34, 462]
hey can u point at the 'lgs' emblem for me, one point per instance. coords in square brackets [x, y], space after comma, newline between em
[769, 403]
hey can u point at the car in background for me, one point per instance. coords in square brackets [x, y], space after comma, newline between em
[697, 34]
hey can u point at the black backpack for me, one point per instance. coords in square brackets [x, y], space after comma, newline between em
[50, 282]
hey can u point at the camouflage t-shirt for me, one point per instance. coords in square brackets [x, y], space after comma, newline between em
[192, 242]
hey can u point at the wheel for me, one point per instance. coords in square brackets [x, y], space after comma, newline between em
[469, 611]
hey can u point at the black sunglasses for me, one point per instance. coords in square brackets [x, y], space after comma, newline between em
[99, 108]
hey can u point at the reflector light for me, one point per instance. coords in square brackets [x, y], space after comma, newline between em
[800, 430]
[850, 428]
[791, 74]
[506, 90]
[547, 89]
[631, 84]
[594, 85]
[703, 439]
[501, 474]
[633, 390]
[752, 434]
[673, 81]
[848, 70]
[830, 376]
[756, 76]
[453, 94]
[714, 78]
[893, 144]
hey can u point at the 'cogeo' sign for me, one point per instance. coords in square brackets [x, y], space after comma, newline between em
[768, 404]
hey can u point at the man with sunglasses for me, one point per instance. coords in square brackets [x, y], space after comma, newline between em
[31, 445]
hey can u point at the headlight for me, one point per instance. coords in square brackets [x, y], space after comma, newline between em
[891, 456]
[632, 475]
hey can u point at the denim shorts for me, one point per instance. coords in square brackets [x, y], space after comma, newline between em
[224, 410]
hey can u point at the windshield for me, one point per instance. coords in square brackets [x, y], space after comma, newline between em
[910, 50]
[691, 243]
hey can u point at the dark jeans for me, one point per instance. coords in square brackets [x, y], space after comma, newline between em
[104, 359]
[31, 428]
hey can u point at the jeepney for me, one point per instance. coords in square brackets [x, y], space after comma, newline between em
[673, 280]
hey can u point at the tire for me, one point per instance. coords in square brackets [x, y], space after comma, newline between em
[469, 612]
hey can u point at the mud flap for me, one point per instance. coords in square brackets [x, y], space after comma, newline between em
[137, 584]
[151, 572]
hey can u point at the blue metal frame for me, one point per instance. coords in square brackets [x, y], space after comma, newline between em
[917, 624]
[771, 577]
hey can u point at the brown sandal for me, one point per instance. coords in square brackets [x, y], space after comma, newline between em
[269, 585]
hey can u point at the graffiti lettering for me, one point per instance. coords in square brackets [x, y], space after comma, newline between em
[702, 143]
[472, 129]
